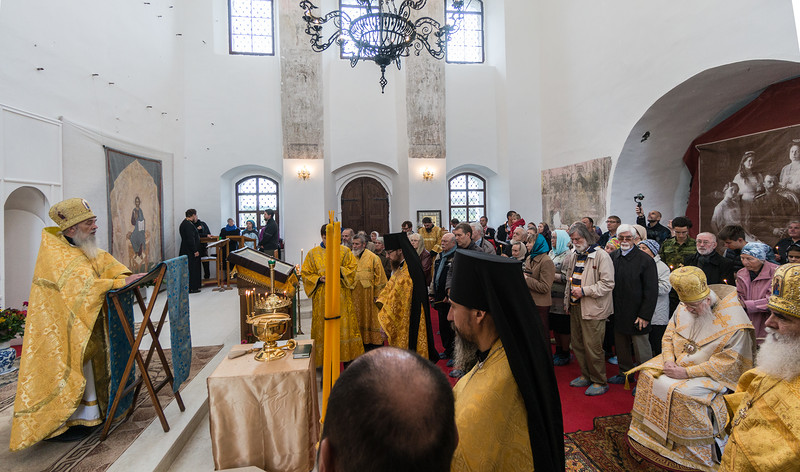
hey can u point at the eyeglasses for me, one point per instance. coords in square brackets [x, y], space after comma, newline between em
[625, 238]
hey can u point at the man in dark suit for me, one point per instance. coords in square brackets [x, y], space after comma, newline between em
[268, 240]
[441, 267]
[190, 247]
[203, 232]
[718, 269]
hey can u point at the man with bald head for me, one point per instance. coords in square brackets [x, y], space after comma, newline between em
[390, 410]
[347, 237]
[718, 269]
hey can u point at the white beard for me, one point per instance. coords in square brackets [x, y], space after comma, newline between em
[87, 243]
[579, 248]
[357, 252]
[625, 246]
[779, 356]
[704, 251]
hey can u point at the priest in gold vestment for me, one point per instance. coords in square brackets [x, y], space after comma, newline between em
[507, 408]
[431, 236]
[764, 411]
[64, 375]
[313, 275]
[370, 280]
[679, 412]
[404, 307]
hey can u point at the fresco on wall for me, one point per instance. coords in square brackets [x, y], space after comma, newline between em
[571, 192]
[134, 210]
[752, 181]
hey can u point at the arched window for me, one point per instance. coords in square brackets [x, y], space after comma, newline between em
[250, 27]
[254, 194]
[465, 45]
[467, 197]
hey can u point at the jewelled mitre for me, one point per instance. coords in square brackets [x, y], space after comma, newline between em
[70, 212]
[690, 283]
[785, 298]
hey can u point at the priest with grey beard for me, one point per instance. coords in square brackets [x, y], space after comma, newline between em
[64, 375]
[764, 411]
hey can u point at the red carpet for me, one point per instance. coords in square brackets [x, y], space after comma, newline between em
[577, 409]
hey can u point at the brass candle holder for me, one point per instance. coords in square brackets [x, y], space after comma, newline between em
[269, 322]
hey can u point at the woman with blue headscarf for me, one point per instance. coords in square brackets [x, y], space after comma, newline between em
[539, 272]
[558, 318]
[753, 283]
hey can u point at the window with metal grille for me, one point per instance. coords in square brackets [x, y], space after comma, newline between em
[255, 194]
[353, 10]
[465, 45]
[467, 197]
[250, 27]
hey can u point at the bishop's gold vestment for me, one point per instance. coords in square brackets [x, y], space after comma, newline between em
[62, 333]
[491, 419]
[765, 419]
[395, 312]
[680, 418]
[350, 343]
[370, 280]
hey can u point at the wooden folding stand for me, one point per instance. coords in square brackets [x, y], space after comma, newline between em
[155, 276]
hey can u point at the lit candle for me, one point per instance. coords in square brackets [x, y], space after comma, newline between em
[725, 281]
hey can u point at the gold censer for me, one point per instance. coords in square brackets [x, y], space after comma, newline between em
[269, 321]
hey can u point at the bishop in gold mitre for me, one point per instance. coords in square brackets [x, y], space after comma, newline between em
[64, 375]
[679, 411]
[764, 412]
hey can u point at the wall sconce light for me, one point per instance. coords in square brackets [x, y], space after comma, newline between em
[427, 175]
[304, 173]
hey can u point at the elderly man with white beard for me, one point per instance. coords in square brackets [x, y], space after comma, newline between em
[764, 412]
[63, 378]
[679, 412]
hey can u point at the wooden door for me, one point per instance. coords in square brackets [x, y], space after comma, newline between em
[365, 206]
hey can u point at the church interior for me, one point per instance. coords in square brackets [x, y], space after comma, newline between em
[612, 94]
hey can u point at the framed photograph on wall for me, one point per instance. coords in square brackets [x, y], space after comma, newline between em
[135, 210]
[434, 215]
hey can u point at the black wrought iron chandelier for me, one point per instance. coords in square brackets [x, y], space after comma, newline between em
[383, 34]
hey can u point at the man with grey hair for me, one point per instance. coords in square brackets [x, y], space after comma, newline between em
[347, 237]
[370, 280]
[380, 251]
[635, 295]
[718, 269]
[588, 300]
[479, 240]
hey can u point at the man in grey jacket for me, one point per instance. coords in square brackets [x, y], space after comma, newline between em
[588, 300]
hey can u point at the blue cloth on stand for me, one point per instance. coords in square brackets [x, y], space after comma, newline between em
[177, 279]
[119, 350]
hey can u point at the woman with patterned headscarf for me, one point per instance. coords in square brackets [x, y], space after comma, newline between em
[558, 319]
[753, 285]
[539, 272]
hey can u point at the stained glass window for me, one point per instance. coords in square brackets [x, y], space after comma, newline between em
[250, 27]
[467, 197]
[465, 45]
[255, 194]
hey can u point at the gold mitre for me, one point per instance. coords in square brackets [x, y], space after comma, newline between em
[785, 298]
[71, 212]
[690, 283]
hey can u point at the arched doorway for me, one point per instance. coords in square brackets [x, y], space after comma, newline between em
[365, 206]
[25, 213]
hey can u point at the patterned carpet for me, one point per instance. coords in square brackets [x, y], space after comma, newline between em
[93, 455]
[606, 448]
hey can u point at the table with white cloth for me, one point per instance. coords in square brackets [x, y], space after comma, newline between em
[264, 414]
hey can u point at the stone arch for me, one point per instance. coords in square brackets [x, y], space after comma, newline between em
[24, 215]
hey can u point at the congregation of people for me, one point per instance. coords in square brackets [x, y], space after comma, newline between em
[709, 338]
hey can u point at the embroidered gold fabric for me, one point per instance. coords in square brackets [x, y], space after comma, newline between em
[350, 345]
[765, 420]
[370, 280]
[491, 419]
[62, 331]
[395, 312]
[679, 418]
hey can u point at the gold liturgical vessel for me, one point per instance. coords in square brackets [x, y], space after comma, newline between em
[269, 321]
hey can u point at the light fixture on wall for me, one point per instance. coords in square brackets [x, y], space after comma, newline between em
[427, 175]
[382, 33]
[304, 173]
